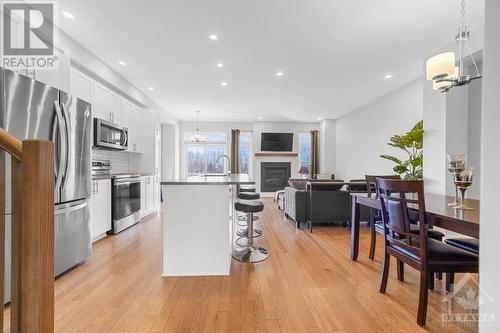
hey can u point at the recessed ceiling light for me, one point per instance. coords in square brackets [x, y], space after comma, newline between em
[68, 15]
[151, 88]
[123, 63]
[213, 37]
[319, 118]
[223, 83]
[220, 65]
[388, 76]
[260, 118]
[279, 73]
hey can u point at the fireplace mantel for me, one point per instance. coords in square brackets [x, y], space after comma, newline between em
[277, 153]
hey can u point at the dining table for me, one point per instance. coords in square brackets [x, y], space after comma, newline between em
[438, 212]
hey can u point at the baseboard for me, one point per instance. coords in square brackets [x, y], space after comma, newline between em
[99, 237]
[149, 213]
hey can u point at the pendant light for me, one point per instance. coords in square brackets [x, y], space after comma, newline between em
[445, 70]
[197, 137]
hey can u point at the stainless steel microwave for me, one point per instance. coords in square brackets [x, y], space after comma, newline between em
[109, 136]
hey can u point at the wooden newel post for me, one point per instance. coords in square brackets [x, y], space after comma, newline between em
[33, 239]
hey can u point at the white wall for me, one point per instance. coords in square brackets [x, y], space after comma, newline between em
[434, 111]
[463, 130]
[489, 269]
[474, 135]
[457, 110]
[328, 146]
[362, 135]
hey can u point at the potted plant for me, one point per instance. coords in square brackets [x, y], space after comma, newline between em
[412, 143]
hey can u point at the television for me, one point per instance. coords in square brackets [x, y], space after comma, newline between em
[276, 142]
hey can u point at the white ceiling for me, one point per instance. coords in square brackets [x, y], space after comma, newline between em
[334, 53]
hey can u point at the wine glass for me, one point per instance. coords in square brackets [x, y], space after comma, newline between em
[463, 180]
[456, 164]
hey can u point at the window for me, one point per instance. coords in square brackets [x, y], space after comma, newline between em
[201, 157]
[305, 150]
[245, 151]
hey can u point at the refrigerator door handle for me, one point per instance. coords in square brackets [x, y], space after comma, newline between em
[67, 147]
[70, 208]
[63, 157]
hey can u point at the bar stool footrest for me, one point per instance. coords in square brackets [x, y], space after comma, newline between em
[251, 254]
[244, 233]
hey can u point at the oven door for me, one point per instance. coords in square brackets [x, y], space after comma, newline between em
[109, 135]
[126, 197]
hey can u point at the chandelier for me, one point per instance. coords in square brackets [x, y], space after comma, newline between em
[197, 137]
[445, 70]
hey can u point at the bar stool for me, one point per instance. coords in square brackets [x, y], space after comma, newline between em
[244, 188]
[242, 234]
[250, 253]
[247, 196]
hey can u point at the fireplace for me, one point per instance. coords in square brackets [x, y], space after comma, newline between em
[274, 176]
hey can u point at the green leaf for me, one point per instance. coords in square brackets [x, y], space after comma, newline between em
[419, 126]
[391, 158]
[400, 169]
[416, 162]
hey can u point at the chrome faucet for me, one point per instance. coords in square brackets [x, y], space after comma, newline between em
[228, 161]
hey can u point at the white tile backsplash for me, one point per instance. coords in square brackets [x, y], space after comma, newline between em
[119, 159]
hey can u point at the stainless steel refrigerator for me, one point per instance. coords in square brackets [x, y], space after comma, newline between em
[33, 110]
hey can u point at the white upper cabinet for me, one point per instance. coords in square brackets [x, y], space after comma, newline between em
[99, 103]
[106, 104]
[126, 121]
[146, 139]
[126, 114]
[136, 129]
[81, 86]
[143, 125]
[114, 104]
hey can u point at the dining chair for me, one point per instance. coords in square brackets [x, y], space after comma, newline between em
[401, 199]
[467, 244]
[376, 216]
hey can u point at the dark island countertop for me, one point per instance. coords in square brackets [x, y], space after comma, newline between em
[212, 179]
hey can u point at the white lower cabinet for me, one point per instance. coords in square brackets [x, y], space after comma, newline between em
[101, 208]
[150, 195]
[156, 191]
[143, 196]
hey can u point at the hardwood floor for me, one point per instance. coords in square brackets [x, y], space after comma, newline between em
[308, 284]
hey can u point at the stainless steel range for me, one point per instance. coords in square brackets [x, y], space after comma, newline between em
[126, 201]
[125, 196]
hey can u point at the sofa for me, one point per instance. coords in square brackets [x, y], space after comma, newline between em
[328, 204]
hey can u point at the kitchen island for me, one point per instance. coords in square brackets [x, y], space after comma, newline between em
[197, 224]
